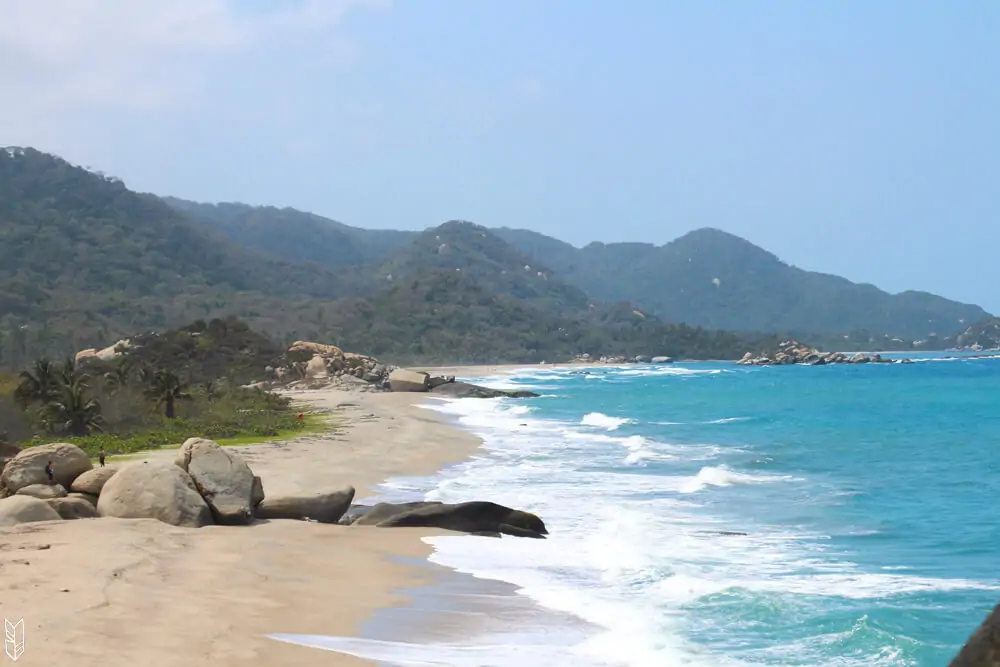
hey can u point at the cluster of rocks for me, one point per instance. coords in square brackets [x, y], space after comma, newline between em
[316, 365]
[207, 484]
[793, 352]
[620, 359]
[311, 365]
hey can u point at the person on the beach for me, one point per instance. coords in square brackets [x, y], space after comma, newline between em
[100, 456]
[50, 472]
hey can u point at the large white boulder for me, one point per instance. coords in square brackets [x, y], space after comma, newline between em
[154, 490]
[222, 478]
[28, 467]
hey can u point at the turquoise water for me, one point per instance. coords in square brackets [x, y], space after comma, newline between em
[712, 515]
[867, 495]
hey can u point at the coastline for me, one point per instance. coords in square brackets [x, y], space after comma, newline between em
[110, 592]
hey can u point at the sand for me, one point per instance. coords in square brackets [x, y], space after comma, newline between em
[138, 592]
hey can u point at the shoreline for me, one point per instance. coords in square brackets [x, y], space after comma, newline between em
[109, 591]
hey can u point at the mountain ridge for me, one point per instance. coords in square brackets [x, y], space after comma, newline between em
[712, 278]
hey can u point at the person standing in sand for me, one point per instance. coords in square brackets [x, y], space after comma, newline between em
[50, 472]
[100, 456]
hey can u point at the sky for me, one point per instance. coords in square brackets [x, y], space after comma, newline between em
[852, 137]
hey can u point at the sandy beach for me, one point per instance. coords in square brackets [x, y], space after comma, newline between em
[140, 592]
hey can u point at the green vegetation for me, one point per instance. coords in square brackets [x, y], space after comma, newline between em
[154, 395]
[85, 262]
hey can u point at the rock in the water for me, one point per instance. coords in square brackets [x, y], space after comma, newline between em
[402, 379]
[42, 491]
[28, 467]
[382, 511]
[25, 509]
[466, 390]
[154, 490]
[222, 478]
[472, 517]
[73, 507]
[92, 481]
[983, 647]
[321, 507]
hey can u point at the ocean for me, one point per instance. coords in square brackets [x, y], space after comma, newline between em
[713, 515]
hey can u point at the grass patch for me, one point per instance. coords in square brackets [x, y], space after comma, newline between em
[238, 419]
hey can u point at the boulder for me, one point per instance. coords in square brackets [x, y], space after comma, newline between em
[354, 513]
[373, 516]
[466, 390]
[983, 647]
[84, 356]
[92, 481]
[222, 478]
[660, 360]
[256, 493]
[316, 368]
[28, 467]
[472, 517]
[154, 490]
[321, 507]
[42, 491]
[25, 509]
[73, 507]
[85, 496]
[316, 348]
[403, 379]
[438, 380]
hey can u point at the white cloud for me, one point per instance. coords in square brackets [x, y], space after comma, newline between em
[66, 63]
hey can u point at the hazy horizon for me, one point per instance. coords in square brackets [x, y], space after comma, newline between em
[848, 138]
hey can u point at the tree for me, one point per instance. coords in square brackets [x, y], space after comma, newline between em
[73, 410]
[38, 384]
[166, 389]
[118, 377]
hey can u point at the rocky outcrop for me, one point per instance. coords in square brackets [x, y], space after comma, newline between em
[25, 509]
[310, 364]
[983, 647]
[223, 479]
[154, 490]
[467, 390]
[92, 481]
[475, 517]
[792, 352]
[372, 516]
[42, 491]
[322, 507]
[73, 507]
[28, 467]
[402, 379]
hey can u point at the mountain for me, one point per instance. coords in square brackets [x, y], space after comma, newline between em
[479, 255]
[84, 259]
[291, 235]
[706, 278]
[447, 316]
[984, 334]
[84, 262]
[717, 280]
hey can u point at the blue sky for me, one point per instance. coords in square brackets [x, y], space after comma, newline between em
[858, 138]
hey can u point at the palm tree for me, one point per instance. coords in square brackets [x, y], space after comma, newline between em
[73, 410]
[166, 389]
[117, 378]
[38, 384]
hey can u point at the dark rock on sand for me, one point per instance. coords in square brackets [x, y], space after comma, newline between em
[322, 507]
[466, 390]
[471, 517]
[382, 511]
[983, 647]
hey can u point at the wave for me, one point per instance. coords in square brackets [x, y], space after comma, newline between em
[722, 476]
[601, 420]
